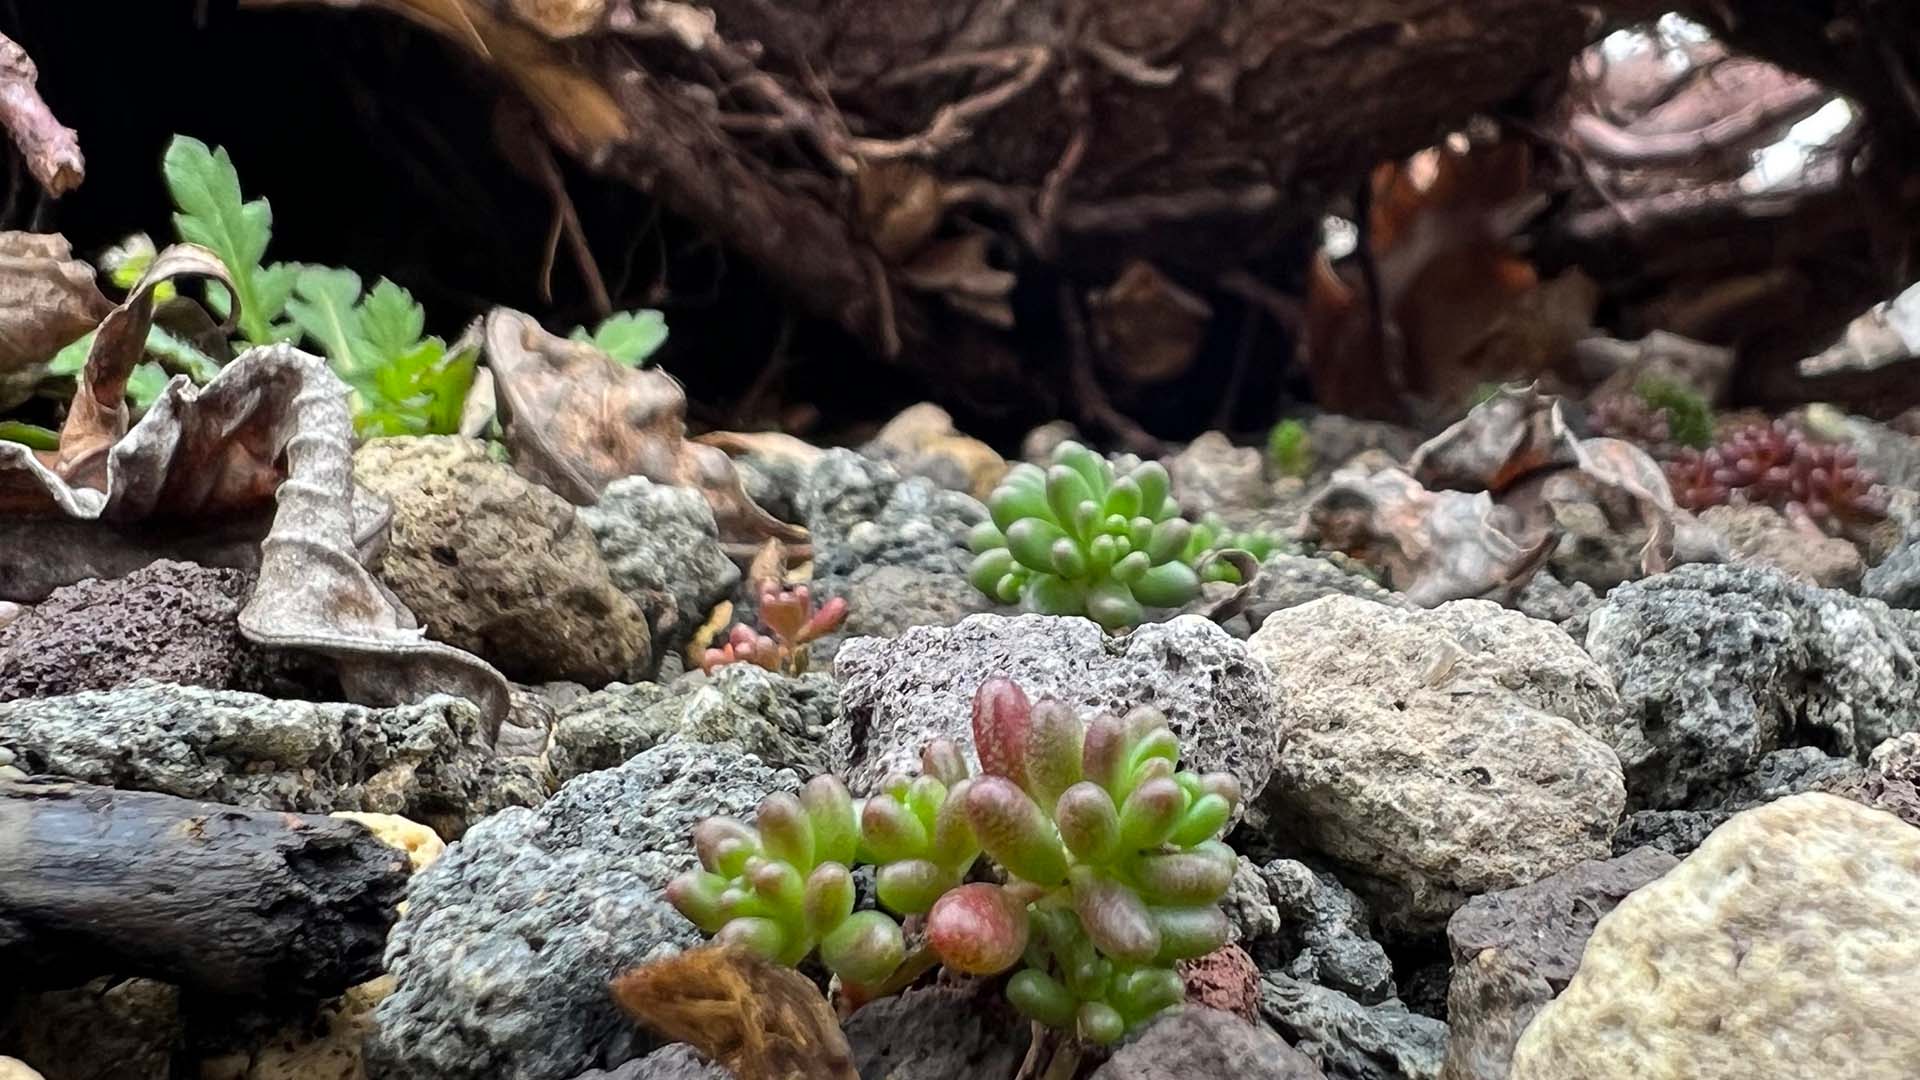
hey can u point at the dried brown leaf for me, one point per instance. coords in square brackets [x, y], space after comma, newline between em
[758, 1019]
[47, 299]
[576, 421]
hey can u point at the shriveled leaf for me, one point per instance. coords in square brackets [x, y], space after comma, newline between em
[758, 1019]
[47, 300]
[576, 421]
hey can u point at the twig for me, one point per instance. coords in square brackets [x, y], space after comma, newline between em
[52, 149]
[1750, 123]
[953, 124]
[1095, 408]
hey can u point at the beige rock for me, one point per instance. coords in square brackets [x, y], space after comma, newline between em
[421, 844]
[1437, 755]
[15, 1069]
[1761, 534]
[296, 1052]
[925, 431]
[1786, 948]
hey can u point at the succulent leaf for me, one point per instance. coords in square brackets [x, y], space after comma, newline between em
[830, 896]
[1014, 831]
[836, 831]
[979, 929]
[864, 949]
[890, 831]
[1099, 1023]
[1117, 921]
[1041, 997]
[1002, 717]
[1187, 932]
[786, 832]
[1089, 822]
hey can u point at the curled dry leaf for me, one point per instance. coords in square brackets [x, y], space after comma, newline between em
[199, 475]
[758, 1019]
[576, 421]
[1435, 546]
[47, 299]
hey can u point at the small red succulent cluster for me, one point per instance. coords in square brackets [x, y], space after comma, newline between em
[1629, 417]
[793, 623]
[1779, 465]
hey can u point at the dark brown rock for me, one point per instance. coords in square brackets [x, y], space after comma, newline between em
[1195, 1042]
[942, 1033]
[1514, 950]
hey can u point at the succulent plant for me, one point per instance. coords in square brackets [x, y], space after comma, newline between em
[1662, 417]
[1779, 465]
[1211, 534]
[794, 623]
[1075, 539]
[1112, 863]
[1290, 449]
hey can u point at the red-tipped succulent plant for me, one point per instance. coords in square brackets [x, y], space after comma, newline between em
[1779, 465]
[793, 623]
[1111, 866]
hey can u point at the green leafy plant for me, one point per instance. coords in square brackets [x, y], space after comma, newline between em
[404, 382]
[211, 212]
[1112, 863]
[629, 337]
[1290, 449]
[1689, 417]
[1074, 539]
[1211, 534]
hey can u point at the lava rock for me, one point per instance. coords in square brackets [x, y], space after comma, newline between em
[495, 564]
[1891, 781]
[782, 720]
[1549, 599]
[428, 761]
[1351, 1041]
[662, 549]
[1337, 440]
[675, 1062]
[1896, 581]
[1322, 936]
[1224, 979]
[1514, 950]
[1782, 948]
[171, 621]
[1436, 755]
[922, 441]
[1718, 666]
[1287, 581]
[898, 695]
[502, 959]
[938, 1033]
[1762, 536]
[1779, 774]
[1194, 1042]
[864, 519]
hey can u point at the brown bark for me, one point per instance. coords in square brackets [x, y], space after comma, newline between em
[95, 881]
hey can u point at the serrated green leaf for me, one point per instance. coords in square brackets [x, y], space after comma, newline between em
[211, 212]
[323, 307]
[392, 322]
[181, 355]
[629, 337]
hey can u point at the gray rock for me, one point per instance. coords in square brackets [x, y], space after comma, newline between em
[499, 566]
[865, 520]
[1351, 1041]
[1323, 935]
[938, 1033]
[773, 481]
[897, 695]
[502, 958]
[1549, 599]
[1891, 781]
[1896, 581]
[781, 720]
[1336, 440]
[1778, 775]
[1211, 476]
[662, 549]
[427, 761]
[1287, 580]
[677, 1061]
[1435, 755]
[171, 621]
[1762, 536]
[1717, 666]
[1193, 1043]
[1514, 950]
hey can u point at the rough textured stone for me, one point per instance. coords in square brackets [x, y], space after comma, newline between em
[1337, 439]
[922, 441]
[864, 519]
[1224, 979]
[1717, 666]
[108, 1029]
[781, 720]
[1896, 580]
[328, 1045]
[1322, 935]
[1782, 948]
[502, 959]
[1763, 536]
[938, 1033]
[495, 564]
[1514, 950]
[1779, 774]
[676, 1062]
[897, 695]
[662, 549]
[427, 761]
[15, 1069]
[1351, 1041]
[1288, 580]
[1891, 781]
[171, 621]
[1195, 1042]
[1436, 755]
[1549, 599]
[1213, 476]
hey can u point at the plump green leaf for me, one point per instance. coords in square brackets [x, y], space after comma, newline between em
[32, 436]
